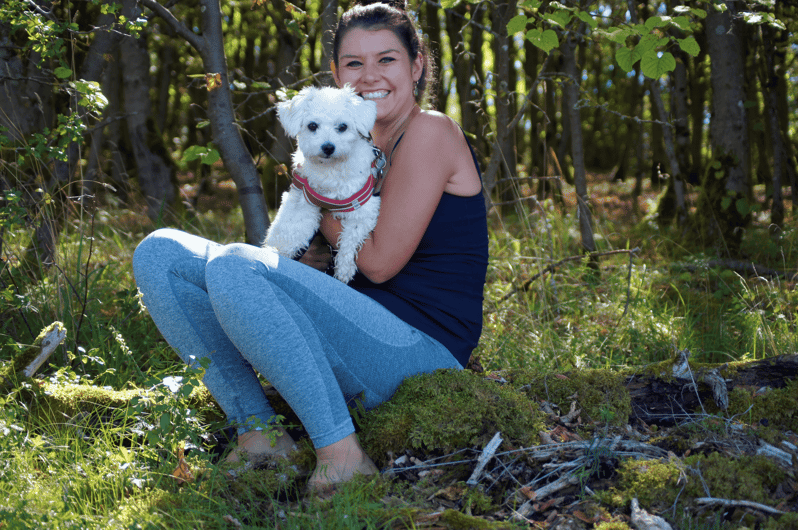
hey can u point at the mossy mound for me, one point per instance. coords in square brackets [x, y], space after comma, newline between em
[446, 411]
[658, 484]
[600, 393]
[773, 410]
[652, 482]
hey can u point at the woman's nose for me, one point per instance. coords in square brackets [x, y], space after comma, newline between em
[369, 73]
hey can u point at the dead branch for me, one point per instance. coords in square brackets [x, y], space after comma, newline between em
[712, 501]
[553, 266]
[484, 458]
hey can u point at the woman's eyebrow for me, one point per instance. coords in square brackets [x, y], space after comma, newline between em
[355, 56]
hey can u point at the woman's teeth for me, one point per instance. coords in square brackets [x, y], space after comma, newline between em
[374, 95]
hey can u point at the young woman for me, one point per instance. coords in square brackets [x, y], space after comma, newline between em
[415, 305]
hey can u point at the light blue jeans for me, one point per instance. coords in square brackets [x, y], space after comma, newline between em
[316, 340]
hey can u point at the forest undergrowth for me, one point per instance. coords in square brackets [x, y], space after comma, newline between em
[113, 432]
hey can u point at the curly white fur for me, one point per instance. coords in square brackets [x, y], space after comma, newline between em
[333, 153]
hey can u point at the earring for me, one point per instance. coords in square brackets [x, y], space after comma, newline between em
[415, 88]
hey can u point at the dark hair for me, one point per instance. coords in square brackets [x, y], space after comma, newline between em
[391, 15]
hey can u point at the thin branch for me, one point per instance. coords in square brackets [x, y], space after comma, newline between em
[196, 42]
[551, 267]
[712, 501]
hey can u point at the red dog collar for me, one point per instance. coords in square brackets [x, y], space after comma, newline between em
[351, 203]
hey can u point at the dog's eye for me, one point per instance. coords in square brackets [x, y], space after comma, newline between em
[312, 126]
[341, 128]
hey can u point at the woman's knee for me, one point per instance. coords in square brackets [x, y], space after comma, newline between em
[235, 259]
[155, 249]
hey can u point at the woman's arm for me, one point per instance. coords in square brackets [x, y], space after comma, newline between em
[427, 161]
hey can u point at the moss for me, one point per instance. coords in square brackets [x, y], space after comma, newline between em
[612, 525]
[658, 484]
[601, 393]
[774, 409]
[653, 482]
[446, 411]
[751, 478]
[788, 521]
[460, 521]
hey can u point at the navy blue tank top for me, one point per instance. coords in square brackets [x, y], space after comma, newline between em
[439, 291]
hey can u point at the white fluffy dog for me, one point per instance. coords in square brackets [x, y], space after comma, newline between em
[334, 168]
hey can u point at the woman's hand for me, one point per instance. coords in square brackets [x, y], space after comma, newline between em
[318, 254]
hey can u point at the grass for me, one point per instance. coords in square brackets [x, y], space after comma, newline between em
[114, 469]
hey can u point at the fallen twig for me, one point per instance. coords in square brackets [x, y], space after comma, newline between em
[484, 458]
[713, 501]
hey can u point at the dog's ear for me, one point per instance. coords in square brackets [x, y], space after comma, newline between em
[365, 112]
[292, 113]
[365, 116]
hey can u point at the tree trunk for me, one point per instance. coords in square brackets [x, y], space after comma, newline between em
[726, 191]
[771, 112]
[329, 20]
[461, 68]
[433, 28]
[226, 135]
[154, 168]
[698, 96]
[505, 99]
[568, 48]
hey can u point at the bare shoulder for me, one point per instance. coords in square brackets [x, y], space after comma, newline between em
[436, 128]
[431, 135]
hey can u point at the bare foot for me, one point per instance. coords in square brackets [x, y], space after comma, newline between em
[339, 462]
[259, 444]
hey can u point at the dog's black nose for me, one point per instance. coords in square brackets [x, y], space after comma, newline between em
[328, 149]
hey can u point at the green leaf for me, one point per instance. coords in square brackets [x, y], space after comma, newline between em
[655, 22]
[559, 18]
[646, 45]
[62, 72]
[448, 4]
[618, 35]
[690, 46]
[683, 23]
[546, 40]
[165, 422]
[586, 17]
[193, 153]
[532, 4]
[742, 206]
[753, 18]
[725, 202]
[654, 65]
[516, 24]
[623, 56]
[211, 157]
[700, 13]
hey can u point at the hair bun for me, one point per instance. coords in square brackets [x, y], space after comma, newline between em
[401, 5]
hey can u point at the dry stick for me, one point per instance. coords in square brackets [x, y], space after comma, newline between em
[551, 267]
[484, 458]
[712, 501]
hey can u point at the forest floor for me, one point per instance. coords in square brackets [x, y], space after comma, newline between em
[591, 402]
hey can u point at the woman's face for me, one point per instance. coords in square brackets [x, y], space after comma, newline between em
[377, 66]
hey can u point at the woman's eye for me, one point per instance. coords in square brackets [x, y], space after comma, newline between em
[312, 126]
[387, 60]
[354, 64]
[341, 128]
